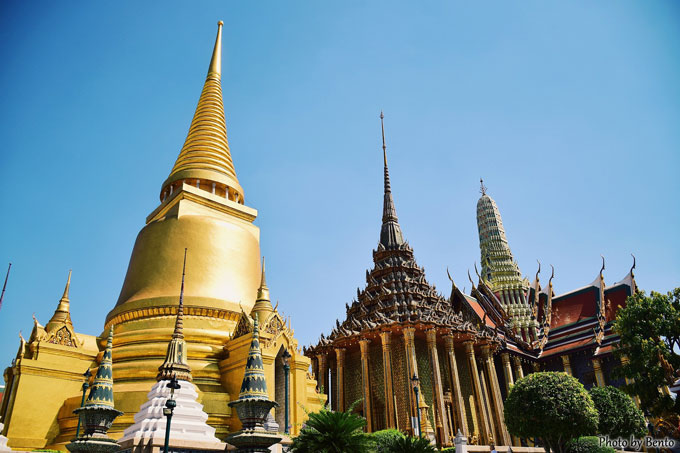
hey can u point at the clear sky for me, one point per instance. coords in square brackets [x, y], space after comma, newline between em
[569, 110]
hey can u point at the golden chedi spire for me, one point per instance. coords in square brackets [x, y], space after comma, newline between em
[263, 305]
[62, 315]
[205, 159]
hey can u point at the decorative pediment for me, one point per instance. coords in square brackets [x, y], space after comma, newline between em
[243, 327]
[63, 336]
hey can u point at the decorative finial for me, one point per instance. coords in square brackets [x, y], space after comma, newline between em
[552, 275]
[601, 270]
[68, 285]
[539, 269]
[215, 68]
[220, 23]
[477, 272]
[631, 269]
[382, 126]
[483, 187]
[263, 280]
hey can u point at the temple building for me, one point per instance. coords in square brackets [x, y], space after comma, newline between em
[464, 351]
[202, 209]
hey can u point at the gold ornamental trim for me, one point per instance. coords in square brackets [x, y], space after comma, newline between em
[153, 312]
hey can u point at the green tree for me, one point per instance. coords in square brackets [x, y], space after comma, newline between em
[649, 327]
[553, 407]
[618, 416]
[332, 432]
[410, 445]
[589, 444]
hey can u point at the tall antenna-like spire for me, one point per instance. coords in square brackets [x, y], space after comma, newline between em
[2, 295]
[390, 233]
[175, 363]
[482, 186]
[179, 322]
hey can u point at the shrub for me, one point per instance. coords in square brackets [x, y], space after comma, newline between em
[589, 444]
[332, 432]
[618, 415]
[384, 438]
[554, 407]
[411, 445]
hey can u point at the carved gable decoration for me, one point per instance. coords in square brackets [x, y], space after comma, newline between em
[243, 327]
[62, 336]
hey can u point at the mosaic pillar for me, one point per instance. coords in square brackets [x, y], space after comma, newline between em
[411, 368]
[482, 421]
[519, 372]
[340, 377]
[496, 395]
[507, 370]
[322, 379]
[458, 401]
[566, 364]
[599, 377]
[487, 409]
[441, 422]
[366, 384]
[386, 340]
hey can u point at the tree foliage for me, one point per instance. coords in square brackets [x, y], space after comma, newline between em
[554, 407]
[649, 327]
[618, 416]
[332, 432]
[383, 439]
[588, 444]
[410, 445]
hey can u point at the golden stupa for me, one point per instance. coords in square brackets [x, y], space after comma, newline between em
[202, 209]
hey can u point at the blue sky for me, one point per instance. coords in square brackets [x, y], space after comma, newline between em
[569, 110]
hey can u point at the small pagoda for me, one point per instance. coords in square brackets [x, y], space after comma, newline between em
[253, 404]
[98, 412]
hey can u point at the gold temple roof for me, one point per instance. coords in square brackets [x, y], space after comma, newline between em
[205, 155]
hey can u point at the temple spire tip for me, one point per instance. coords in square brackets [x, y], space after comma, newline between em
[215, 68]
[482, 188]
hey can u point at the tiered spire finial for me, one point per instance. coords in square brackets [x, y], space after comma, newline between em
[62, 315]
[175, 363]
[482, 188]
[390, 232]
[263, 305]
[205, 155]
[101, 392]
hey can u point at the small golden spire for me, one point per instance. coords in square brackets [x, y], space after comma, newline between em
[62, 315]
[215, 69]
[263, 305]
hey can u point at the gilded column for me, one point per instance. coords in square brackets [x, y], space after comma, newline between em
[411, 369]
[509, 382]
[566, 364]
[599, 377]
[458, 401]
[482, 421]
[496, 395]
[519, 372]
[366, 383]
[487, 408]
[322, 380]
[441, 422]
[386, 339]
[340, 377]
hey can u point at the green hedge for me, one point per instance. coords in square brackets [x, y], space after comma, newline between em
[588, 444]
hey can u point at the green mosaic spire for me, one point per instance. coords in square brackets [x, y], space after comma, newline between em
[254, 385]
[101, 392]
[499, 268]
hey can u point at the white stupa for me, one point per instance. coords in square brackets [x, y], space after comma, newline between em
[3, 440]
[188, 428]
